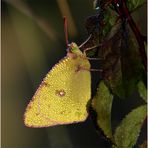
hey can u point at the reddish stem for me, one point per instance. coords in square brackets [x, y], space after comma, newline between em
[124, 12]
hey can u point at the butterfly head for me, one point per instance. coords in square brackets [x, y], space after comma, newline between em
[73, 48]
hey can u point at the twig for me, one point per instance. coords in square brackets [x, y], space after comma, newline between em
[124, 13]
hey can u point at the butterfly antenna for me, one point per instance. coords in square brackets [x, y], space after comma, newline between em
[66, 31]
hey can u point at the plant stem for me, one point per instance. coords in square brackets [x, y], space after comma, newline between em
[124, 12]
[137, 35]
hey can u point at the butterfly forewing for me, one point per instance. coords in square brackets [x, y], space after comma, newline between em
[63, 95]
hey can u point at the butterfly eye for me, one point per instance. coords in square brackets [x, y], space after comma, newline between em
[73, 46]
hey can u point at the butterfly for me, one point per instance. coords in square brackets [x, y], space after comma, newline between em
[63, 94]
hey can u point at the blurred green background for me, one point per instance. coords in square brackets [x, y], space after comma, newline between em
[32, 42]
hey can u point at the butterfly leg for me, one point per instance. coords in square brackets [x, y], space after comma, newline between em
[94, 58]
[83, 68]
[90, 48]
[96, 70]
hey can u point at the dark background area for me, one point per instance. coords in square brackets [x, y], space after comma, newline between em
[32, 42]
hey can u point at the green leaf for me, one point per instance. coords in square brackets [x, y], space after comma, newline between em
[122, 63]
[128, 131]
[110, 18]
[102, 103]
[133, 4]
[142, 90]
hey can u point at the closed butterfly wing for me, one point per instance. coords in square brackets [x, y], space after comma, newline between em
[62, 96]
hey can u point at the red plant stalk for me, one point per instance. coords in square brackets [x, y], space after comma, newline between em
[124, 12]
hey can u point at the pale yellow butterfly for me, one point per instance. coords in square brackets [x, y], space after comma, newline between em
[64, 93]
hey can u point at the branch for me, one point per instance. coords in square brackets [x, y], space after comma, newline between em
[124, 13]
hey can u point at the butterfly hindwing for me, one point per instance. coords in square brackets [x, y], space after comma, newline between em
[62, 96]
